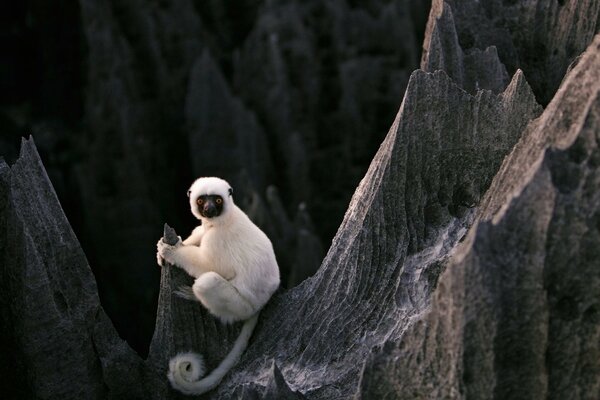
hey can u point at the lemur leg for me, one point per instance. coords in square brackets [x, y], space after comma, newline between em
[221, 298]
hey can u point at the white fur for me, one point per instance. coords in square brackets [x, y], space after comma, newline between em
[236, 273]
[188, 367]
[185, 369]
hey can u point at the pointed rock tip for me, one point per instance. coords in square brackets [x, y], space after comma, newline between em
[28, 146]
[517, 80]
[207, 62]
[169, 235]
[519, 86]
[29, 155]
[279, 387]
[3, 166]
[204, 67]
[419, 76]
[416, 76]
[277, 373]
[438, 7]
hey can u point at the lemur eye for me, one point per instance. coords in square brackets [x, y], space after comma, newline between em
[199, 201]
[219, 200]
[189, 192]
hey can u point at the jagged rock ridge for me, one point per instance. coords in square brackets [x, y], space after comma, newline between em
[399, 227]
[515, 314]
[288, 93]
[52, 305]
[395, 293]
[540, 37]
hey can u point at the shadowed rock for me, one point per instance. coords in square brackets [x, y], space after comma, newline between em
[317, 347]
[62, 345]
[515, 314]
[410, 210]
[225, 138]
[458, 271]
[478, 69]
[320, 80]
[539, 37]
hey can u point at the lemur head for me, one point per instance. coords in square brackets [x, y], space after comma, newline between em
[210, 197]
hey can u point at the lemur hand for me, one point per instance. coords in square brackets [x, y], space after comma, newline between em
[165, 251]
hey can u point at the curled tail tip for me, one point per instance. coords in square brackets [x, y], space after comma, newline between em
[185, 368]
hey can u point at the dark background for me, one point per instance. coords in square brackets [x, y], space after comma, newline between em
[129, 101]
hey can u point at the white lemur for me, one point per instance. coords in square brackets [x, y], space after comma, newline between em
[236, 273]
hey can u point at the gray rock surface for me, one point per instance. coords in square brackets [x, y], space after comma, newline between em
[57, 332]
[478, 69]
[540, 37]
[465, 267]
[515, 313]
[302, 94]
[411, 209]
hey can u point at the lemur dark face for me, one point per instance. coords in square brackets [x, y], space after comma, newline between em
[210, 198]
[210, 205]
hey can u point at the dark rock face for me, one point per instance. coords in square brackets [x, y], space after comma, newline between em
[400, 227]
[292, 95]
[131, 113]
[514, 313]
[478, 69]
[51, 312]
[465, 267]
[215, 119]
[540, 37]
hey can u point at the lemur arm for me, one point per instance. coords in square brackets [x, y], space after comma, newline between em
[195, 237]
[191, 259]
[187, 257]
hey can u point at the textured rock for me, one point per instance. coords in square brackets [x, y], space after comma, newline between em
[326, 79]
[411, 208]
[216, 120]
[458, 271]
[389, 243]
[540, 37]
[473, 71]
[51, 316]
[515, 314]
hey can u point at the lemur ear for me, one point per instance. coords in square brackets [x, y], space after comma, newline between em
[189, 192]
[230, 191]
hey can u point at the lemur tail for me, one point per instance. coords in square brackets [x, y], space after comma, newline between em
[186, 370]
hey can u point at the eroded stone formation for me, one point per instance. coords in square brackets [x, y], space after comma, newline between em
[465, 267]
